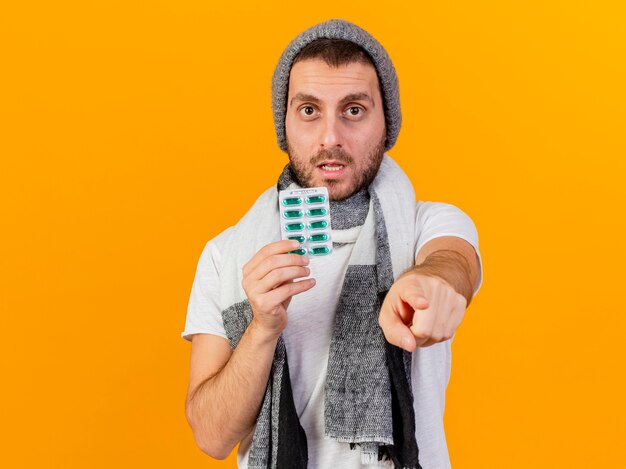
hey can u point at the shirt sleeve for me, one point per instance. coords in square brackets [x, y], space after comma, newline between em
[435, 219]
[204, 314]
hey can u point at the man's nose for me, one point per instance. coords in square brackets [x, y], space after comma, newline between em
[331, 132]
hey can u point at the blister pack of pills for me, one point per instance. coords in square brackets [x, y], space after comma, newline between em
[305, 217]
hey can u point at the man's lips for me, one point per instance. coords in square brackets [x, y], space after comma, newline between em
[331, 165]
[332, 169]
[327, 167]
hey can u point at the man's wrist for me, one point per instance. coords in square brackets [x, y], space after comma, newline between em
[450, 266]
[261, 335]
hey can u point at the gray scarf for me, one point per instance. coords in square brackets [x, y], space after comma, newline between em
[368, 399]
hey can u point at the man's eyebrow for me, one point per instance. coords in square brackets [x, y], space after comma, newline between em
[304, 97]
[358, 97]
[314, 99]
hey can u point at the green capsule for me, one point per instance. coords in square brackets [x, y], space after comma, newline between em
[294, 227]
[316, 225]
[316, 212]
[315, 199]
[300, 252]
[293, 214]
[318, 237]
[300, 239]
[319, 250]
[292, 201]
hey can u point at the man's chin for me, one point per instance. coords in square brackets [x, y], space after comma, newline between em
[338, 192]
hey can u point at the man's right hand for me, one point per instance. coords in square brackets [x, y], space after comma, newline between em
[269, 283]
[226, 387]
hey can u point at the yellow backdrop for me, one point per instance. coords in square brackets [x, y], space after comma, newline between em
[133, 132]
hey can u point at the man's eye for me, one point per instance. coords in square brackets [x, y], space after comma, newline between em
[354, 110]
[308, 110]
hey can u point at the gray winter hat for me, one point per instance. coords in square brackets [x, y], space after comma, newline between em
[338, 29]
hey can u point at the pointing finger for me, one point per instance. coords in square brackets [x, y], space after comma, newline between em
[395, 330]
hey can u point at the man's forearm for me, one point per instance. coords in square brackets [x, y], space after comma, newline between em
[452, 267]
[223, 408]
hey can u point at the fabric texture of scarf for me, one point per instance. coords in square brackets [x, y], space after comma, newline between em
[368, 398]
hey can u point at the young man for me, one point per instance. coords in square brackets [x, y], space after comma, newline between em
[342, 360]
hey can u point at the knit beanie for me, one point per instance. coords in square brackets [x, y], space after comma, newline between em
[338, 29]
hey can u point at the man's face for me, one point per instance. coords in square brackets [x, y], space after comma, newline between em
[335, 126]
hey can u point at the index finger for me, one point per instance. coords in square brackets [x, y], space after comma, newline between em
[271, 249]
[396, 332]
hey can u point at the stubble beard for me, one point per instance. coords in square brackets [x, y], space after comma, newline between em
[304, 172]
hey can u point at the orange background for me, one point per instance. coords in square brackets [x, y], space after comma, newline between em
[133, 132]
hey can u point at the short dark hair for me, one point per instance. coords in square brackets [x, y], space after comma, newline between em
[334, 52]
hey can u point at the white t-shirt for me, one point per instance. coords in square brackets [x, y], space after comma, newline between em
[309, 331]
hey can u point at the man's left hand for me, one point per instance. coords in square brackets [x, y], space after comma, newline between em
[420, 310]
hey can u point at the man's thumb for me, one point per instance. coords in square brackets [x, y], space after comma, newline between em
[418, 302]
